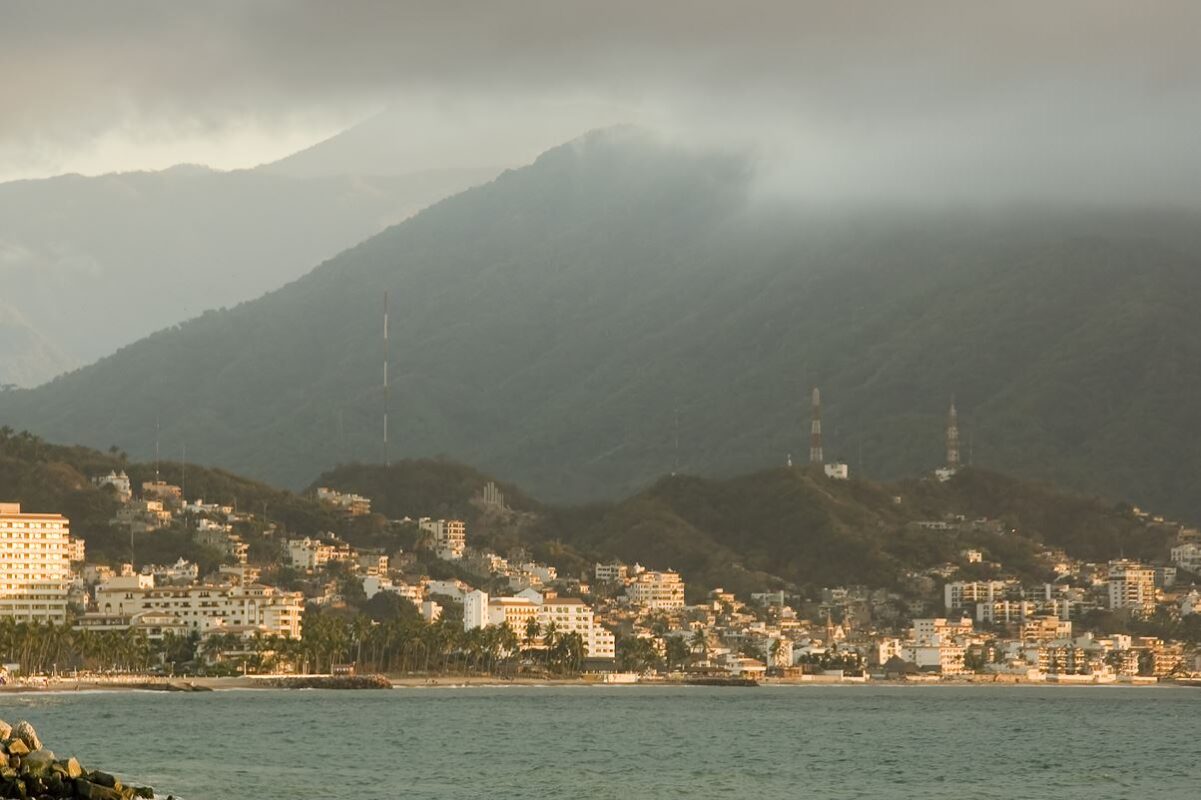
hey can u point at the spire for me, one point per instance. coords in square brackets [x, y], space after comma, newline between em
[952, 437]
[815, 429]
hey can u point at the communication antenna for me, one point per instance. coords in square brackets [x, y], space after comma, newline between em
[156, 438]
[385, 443]
[183, 472]
[815, 429]
[675, 467]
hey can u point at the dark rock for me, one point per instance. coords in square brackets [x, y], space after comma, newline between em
[95, 791]
[143, 791]
[102, 778]
[55, 786]
[38, 762]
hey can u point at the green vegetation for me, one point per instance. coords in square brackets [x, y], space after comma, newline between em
[785, 527]
[54, 478]
[780, 528]
[549, 327]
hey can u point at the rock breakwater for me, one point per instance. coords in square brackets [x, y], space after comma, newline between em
[330, 682]
[29, 771]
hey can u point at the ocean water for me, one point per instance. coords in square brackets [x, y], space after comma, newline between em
[875, 742]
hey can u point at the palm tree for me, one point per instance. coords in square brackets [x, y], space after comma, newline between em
[700, 642]
[532, 631]
[550, 637]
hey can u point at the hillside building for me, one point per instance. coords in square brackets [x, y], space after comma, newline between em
[120, 483]
[1132, 586]
[450, 536]
[656, 591]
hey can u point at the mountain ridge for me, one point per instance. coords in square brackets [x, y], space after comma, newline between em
[555, 324]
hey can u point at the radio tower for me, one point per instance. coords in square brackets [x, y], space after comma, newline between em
[815, 429]
[952, 437]
[385, 379]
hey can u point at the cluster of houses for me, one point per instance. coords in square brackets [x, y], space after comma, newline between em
[938, 623]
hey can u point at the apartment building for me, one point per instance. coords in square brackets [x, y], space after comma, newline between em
[34, 565]
[657, 591]
[571, 615]
[1132, 586]
[450, 536]
[959, 595]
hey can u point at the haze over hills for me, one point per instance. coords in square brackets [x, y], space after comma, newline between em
[553, 325]
[94, 263]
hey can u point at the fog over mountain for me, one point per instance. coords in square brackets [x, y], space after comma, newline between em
[90, 264]
[896, 201]
[562, 324]
[1095, 100]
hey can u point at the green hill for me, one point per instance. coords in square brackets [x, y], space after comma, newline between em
[57, 479]
[783, 527]
[561, 324]
[780, 527]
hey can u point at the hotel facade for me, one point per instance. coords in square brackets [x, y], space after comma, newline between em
[34, 565]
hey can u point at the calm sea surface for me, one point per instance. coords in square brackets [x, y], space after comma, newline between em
[635, 742]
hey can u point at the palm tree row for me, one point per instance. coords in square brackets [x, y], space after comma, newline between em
[40, 648]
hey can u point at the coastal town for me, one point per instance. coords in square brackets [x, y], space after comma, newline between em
[447, 607]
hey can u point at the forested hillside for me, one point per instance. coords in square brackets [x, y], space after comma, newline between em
[567, 324]
[783, 527]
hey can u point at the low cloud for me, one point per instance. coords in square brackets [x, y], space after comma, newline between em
[1083, 98]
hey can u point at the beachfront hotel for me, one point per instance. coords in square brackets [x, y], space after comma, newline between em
[205, 607]
[34, 566]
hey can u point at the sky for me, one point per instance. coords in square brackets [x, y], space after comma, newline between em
[1091, 99]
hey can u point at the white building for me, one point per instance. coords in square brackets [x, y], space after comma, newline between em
[76, 550]
[1187, 556]
[838, 471]
[962, 594]
[351, 504]
[182, 571]
[1132, 586]
[657, 591]
[611, 573]
[940, 629]
[374, 584]
[450, 536]
[312, 554]
[204, 607]
[568, 615]
[120, 483]
[34, 565]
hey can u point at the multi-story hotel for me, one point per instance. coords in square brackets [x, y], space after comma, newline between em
[205, 607]
[34, 570]
[569, 615]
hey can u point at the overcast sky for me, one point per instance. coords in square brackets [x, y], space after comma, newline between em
[1085, 97]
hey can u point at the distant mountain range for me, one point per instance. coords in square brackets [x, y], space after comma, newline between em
[568, 323]
[94, 263]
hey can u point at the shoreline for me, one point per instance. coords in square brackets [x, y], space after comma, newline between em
[160, 685]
